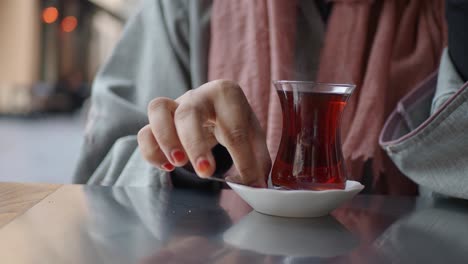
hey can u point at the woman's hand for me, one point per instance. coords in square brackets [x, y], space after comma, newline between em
[188, 128]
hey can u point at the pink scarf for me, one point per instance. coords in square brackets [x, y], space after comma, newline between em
[386, 48]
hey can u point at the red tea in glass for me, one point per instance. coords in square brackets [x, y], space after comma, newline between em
[309, 155]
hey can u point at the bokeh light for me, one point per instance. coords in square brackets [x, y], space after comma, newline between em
[69, 23]
[50, 15]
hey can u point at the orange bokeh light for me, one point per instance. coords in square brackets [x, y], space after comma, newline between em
[50, 15]
[69, 23]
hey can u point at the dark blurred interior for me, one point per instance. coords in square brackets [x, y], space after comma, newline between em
[50, 51]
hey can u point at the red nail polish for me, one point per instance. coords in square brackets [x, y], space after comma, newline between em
[178, 155]
[203, 165]
[168, 166]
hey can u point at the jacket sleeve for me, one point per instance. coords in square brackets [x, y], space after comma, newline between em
[431, 148]
[162, 52]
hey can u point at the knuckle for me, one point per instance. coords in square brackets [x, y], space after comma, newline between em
[185, 111]
[224, 83]
[229, 88]
[237, 136]
[153, 155]
[158, 103]
[189, 93]
[150, 152]
[142, 134]
[164, 135]
[196, 145]
[187, 96]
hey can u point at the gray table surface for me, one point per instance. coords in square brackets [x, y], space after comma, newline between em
[86, 224]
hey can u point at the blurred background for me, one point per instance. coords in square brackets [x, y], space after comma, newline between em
[50, 51]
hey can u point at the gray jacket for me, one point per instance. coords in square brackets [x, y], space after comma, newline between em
[163, 52]
[426, 136]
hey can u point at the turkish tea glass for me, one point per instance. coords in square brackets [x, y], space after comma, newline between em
[309, 156]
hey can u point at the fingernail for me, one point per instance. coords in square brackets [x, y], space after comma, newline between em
[178, 155]
[167, 166]
[203, 165]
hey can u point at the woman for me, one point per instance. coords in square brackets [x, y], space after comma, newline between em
[162, 56]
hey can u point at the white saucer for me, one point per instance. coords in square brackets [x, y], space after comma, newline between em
[300, 237]
[296, 203]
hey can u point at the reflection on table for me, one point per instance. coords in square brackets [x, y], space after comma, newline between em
[86, 224]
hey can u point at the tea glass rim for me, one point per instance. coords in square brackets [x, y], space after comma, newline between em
[349, 85]
[349, 88]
